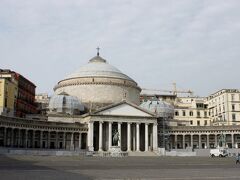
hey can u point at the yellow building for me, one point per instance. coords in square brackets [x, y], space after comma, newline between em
[8, 94]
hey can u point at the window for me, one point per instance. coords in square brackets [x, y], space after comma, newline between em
[190, 113]
[191, 122]
[205, 122]
[233, 107]
[232, 97]
[199, 105]
[64, 101]
[5, 104]
[233, 117]
[198, 114]
[205, 113]
[184, 113]
[198, 123]
[176, 113]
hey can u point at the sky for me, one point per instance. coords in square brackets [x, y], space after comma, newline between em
[194, 43]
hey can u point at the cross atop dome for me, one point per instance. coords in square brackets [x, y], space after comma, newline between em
[98, 51]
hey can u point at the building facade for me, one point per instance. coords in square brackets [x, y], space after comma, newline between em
[224, 107]
[26, 97]
[192, 111]
[19, 92]
[8, 94]
[42, 102]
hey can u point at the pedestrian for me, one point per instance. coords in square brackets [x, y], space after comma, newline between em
[237, 158]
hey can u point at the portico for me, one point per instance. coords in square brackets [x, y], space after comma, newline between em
[134, 125]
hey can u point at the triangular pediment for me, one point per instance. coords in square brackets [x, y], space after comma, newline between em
[124, 109]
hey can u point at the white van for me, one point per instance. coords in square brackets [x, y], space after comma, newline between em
[219, 152]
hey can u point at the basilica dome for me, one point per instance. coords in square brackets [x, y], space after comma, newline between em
[65, 104]
[98, 83]
[98, 67]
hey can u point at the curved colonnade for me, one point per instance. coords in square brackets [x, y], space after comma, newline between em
[24, 133]
[202, 137]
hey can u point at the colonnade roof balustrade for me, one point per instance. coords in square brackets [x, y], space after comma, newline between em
[205, 129]
[14, 122]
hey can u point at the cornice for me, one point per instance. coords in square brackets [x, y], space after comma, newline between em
[94, 83]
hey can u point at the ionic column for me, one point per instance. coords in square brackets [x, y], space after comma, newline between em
[72, 145]
[5, 137]
[79, 141]
[90, 136]
[199, 141]
[48, 141]
[183, 141]
[155, 137]
[232, 137]
[109, 135]
[100, 136]
[191, 140]
[134, 137]
[207, 140]
[26, 139]
[119, 132]
[216, 143]
[33, 139]
[146, 136]
[128, 136]
[56, 141]
[19, 138]
[138, 139]
[64, 140]
[41, 138]
[175, 141]
[12, 138]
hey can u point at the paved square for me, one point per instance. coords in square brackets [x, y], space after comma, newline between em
[166, 168]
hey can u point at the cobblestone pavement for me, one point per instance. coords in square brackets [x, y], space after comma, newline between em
[165, 168]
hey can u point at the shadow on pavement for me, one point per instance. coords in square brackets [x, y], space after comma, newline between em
[15, 167]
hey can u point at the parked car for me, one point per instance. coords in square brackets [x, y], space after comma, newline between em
[219, 152]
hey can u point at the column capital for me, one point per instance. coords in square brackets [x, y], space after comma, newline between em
[101, 122]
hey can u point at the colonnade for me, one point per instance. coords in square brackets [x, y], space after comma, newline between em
[31, 138]
[133, 136]
[202, 140]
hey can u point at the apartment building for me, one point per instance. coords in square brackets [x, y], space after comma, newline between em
[8, 94]
[224, 107]
[192, 111]
[17, 94]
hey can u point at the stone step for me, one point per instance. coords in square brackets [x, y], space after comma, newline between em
[148, 153]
